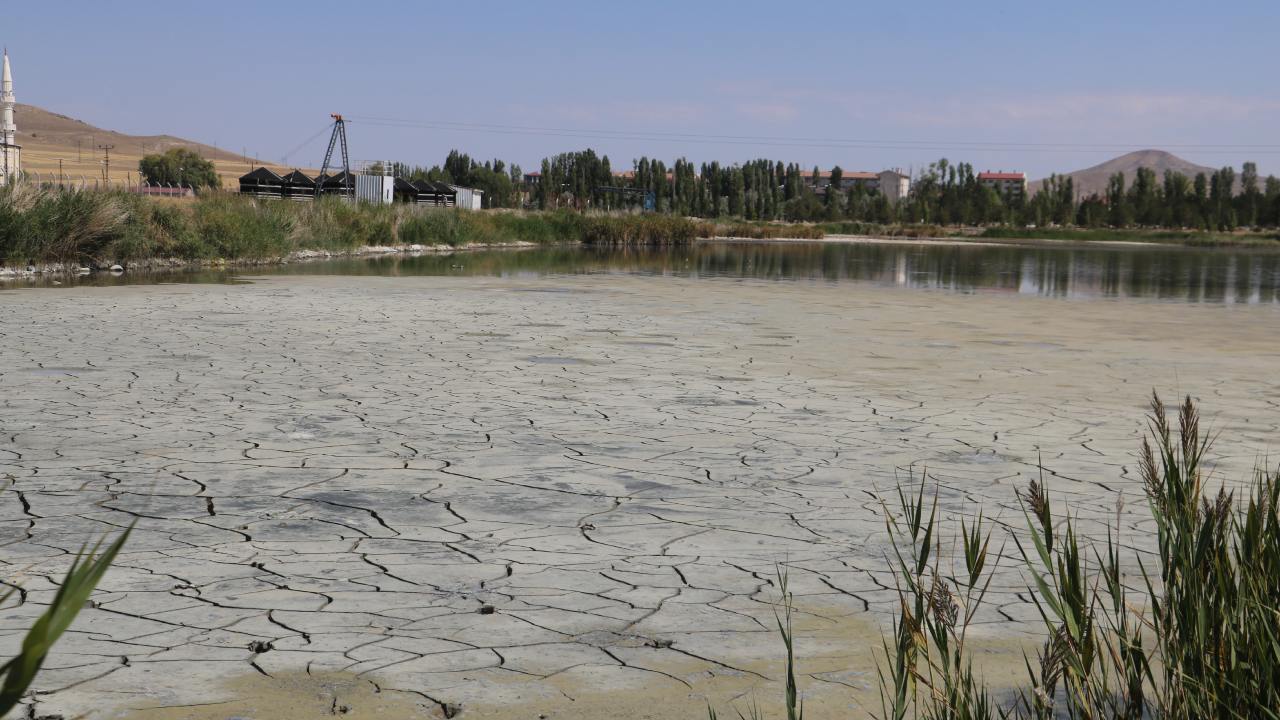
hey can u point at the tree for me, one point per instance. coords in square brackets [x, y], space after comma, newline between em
[179, 166]
[1250, 198]
[1120, 211]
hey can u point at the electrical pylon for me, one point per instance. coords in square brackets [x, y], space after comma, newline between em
[339, 135]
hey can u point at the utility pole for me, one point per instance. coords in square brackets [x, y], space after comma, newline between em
[59, 172]
[106, 162]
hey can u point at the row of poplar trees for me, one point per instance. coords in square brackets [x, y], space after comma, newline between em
[944, 193]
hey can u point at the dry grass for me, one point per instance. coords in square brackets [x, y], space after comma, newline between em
[48, 137]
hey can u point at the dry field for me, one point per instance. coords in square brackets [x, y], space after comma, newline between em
[48, 137]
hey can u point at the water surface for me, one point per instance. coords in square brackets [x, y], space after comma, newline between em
[1239, 275]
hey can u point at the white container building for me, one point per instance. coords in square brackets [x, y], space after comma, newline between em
[468, 198]
[377, 189]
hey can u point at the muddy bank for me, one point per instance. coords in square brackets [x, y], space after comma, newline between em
[506, 492]
[299, 256]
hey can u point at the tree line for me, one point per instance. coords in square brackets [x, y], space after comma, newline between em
[944, 193]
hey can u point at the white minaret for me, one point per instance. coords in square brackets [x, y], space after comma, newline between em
[8, 130]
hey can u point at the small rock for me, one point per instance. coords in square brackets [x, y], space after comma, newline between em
[451, 710]
[260, 646]
[662, 644]
[487, 610]
[117, 268]
[83, 270]
[588, 526]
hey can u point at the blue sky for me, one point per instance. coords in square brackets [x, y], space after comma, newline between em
[1036, 86]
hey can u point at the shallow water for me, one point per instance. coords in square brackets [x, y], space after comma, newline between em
[1236, 275]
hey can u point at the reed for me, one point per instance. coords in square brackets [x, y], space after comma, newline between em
[99, 228]
[86, 571]
[1195, 634]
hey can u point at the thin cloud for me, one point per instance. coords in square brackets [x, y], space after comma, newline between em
[773, 112]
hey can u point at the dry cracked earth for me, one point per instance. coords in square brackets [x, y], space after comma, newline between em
[559, 497]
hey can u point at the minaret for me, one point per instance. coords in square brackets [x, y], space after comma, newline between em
[8, 130]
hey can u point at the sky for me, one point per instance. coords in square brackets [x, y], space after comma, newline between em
[1035, 86]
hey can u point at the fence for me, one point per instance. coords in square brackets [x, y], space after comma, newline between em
[81, 182]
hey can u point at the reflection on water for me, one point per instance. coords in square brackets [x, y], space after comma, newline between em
[1180, 274]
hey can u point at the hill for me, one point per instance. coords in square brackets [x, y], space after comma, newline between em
[47, 137]
[1094, 179]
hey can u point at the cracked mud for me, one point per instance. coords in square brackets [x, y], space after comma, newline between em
[561, 497]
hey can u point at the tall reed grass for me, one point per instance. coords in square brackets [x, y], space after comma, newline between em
[92, 227]
[761, 230]
[1193, 632]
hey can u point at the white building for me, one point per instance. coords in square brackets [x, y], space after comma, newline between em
[468, 198]
[376, 185]
[894, 185]
[10, 152]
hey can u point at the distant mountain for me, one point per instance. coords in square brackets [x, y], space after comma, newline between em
[48, 137]
[1094, 179]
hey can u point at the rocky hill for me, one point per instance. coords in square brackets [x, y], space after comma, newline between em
[1094, 179]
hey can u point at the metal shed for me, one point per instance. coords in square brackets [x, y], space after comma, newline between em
[262, 182]
[343, 184]
[299, 186]
[436, 194]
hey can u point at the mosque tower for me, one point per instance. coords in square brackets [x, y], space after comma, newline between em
[12, 154]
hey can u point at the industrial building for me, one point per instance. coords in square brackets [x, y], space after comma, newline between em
[264, 183]
[468, 198]
[297, 186]
[376, 188]
[425, 192]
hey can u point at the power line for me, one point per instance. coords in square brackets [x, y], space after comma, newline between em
[284, 159]
[788, 141]
[106, 160]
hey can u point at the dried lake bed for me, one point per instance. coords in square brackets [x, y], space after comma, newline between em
[559, 496]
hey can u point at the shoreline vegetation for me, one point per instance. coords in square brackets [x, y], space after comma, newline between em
[1188, 631]
[69, 229]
